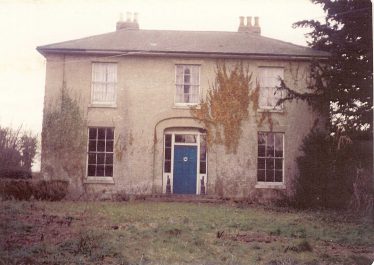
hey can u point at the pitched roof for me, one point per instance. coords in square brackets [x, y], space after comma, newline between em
[202, 43]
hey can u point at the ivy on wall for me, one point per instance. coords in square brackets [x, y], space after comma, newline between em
[64, 134]
[225, 106]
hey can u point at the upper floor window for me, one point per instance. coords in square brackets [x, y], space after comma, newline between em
[269, 78]
[187, 83]
[104, 83]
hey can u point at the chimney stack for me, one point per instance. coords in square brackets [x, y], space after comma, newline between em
[248, 27]
[241, 24]
[128, 24]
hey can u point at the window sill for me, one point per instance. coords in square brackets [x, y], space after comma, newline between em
[268, 185]
[110, 106]
[271, 110]
[186, 106]
[99, 180]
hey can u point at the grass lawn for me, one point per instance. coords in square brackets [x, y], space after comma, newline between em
[38, 232]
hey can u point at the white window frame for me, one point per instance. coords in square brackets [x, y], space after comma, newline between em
[271, 89]
[104, 102]
[271, 184]
[99, 179]
[186, 104]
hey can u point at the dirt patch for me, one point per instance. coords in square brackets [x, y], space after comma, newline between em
[33, 228]
[250, 237]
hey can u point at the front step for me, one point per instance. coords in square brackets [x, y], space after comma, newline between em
[185, 198]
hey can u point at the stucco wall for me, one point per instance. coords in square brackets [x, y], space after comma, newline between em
[145, 108]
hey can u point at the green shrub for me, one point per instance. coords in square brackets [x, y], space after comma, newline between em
[51, 190]
[327, 167]
[16, 189]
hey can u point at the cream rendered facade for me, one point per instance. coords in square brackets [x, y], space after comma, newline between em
[145, 111]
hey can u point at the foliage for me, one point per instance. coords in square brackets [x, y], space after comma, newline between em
[64, 134]
[362, 199]
[345, 79]
[226, 106]
[17, 152]
[327, 171]
[51, 190]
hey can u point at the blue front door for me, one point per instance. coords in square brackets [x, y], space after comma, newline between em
[185, 167]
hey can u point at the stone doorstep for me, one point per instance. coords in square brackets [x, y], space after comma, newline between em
[184, 198]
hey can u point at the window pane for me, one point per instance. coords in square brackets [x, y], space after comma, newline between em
[187, 76]
[91, 158]
[92, 146]
[202, 153]
[278, 163]
[168, 140]
[260, 175]
[92, 133]
[100, 158]
[109, 171]
[269, 175]
[109, 134]
[180, 94]
[101, 134]
[168, 153]
[279, 145]
[261, 138]
[270, 145]
[278, 175]
[195, 75]
[91, 170]
[261, 150]
[261, 163]
[100, 146]
[167, 167]
[109, 146]
[100, 170]
[269, 163]
[109, 159]
[202, 167]
[185, 138]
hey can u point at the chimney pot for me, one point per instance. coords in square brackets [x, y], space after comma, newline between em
[121, 17]
[135, 17]
[249, 21]
[241, 19]
[128, 16]
[241, 24]
[257, 22]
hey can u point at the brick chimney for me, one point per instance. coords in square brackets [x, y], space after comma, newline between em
[248, 27]
[128, 24]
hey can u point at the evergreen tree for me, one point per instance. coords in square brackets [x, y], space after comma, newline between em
[345, 80]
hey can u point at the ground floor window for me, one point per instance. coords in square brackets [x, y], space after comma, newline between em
[270, 157]
[100, 152]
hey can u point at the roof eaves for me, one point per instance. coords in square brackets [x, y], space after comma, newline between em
[44, 51]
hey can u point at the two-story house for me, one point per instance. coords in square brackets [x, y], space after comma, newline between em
[135, 90]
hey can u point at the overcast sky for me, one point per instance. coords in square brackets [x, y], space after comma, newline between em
[27, 24]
